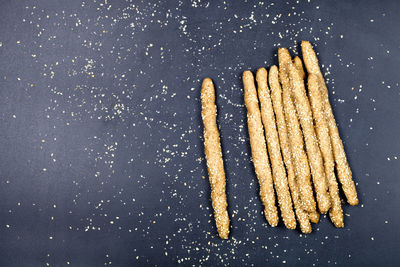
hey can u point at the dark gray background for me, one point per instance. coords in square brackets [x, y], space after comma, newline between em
[101, 135]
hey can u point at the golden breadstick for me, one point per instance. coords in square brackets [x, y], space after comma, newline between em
[314, 216]
[215, 164]
[321, 128]
[314, 154]
[299, 66]
[296, 143]
[276, 95]
[342, 166]
[259, 149]
[271, 136]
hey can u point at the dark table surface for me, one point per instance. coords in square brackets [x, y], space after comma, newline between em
[102, 160]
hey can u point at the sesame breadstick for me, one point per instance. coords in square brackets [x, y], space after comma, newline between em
[215, 164]
[259, 149]
[271, 136]
[314, 216]
[321, 128]
[342, 166]
[299, 66]
[296, 143]
[276, 95]
[313, 152]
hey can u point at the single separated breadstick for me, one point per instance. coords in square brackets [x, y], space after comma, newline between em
[271, 136]
[276, 95]
[321, 128]
[215, 164]
[342, 166]
[299, 66]
[296, 143]
[259, 149]
[314, 154]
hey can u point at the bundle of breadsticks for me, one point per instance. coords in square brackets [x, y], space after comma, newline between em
[295, 144]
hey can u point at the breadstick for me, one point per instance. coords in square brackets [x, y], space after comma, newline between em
[314, 216]
[296, 143]
[299, 66]
[321, 128]
[215, 164]
[259, 149]
[314, 154]
[342, 166]
[272, 139]
[276, 95]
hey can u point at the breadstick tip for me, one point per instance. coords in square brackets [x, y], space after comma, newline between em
[207, 90]
[299, 65]
[284, 55]
[207, 81]
[247, 74]
[261, 71]
[314, 217]
[273, 68]
[224, 235]
[353, 201]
